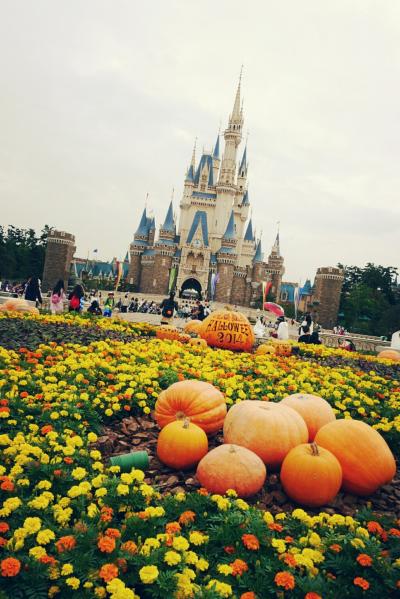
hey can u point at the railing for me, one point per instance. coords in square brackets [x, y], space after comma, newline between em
[361, 342]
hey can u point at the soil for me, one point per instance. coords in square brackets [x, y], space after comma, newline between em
[140, 433]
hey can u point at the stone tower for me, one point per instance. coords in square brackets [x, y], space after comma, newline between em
[328, 286]
[276, 268]
[59, 253]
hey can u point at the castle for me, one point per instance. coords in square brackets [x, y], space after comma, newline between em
[213, 251]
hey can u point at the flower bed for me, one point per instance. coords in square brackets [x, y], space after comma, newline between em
[72, 526]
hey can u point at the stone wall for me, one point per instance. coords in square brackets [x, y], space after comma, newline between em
[238, 293]
[133, 277]
[59, 253]
[147, 277]
[224, 284]
[162, 267]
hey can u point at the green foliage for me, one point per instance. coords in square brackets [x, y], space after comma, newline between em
[370, 299]
[22, 253]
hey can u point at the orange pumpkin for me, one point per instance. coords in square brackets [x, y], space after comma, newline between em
[390, 354]
[364, 455]
[199, 401]
[283, 349]
[271, 430]
[231, 467]
[18, 305]
[181, 444]
[197, 342]
[193, 326]
[166, 331]
[315, 411]
[311, 475]
[265, 348]
[183, 338]
[228, 329]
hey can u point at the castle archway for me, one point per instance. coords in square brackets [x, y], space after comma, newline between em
[191, 288]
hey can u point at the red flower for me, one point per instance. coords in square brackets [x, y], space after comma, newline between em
[312, 596]
[335, 547]
[46, 429]
[251, 542]
[361, 582]
[248, 595]
[10, 566]
[364, 559]
[229, 549]
[395, 532]
[374, 527]
[4, 527]
[7, 485]
[285, 580]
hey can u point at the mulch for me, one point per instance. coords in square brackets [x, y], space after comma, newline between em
[140, 434]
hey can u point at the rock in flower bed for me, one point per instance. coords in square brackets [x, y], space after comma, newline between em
[71, 526]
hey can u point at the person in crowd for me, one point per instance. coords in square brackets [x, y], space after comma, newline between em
[57, 298]
[282, 332]
[305, 329]
[124, 303]
[109, 305]
[94, 308]
[347, 344]
[76, 299]
[32, 291]
[314, 337]
[198, 311]
[168, 306]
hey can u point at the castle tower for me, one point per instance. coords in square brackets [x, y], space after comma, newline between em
[233, 137]
[328, 286]
[226, 260]
[276, 268]
[59, 253]
[164, 252]
[137, 247]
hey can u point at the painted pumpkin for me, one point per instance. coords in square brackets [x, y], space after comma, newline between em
[166, 331]
[183, 338]
[232, 467]
[311, 475]
[390, 354]
[197, 342]
[181, 444]
[229, 330]
[199, 401]
[265, 348]
[271, 430]
[193, 326]
[315, 411]
[364, 455]
[283, 349]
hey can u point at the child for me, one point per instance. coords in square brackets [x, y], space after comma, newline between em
[76, 299]
[57, 298]
[109, 305]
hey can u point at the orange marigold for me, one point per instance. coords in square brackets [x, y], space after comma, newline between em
[187, 517]
[108, 571]
[361, 582]
[395, 532]
[106, 544]
[46, 429]
[285, 580]
[238, 567]
[4, 527]
[65, 543]
[129, 547]
[335, 547]
[364, 559]
[172, 528]
[248, 595]
[374, 527]
[312, 596]
[251, 542]
[289, 559]
[106, 514]
[10, 566]
[48, 559]
[113, 532]
[275, 526]
[202, 491]
[3, 542]
[7, 485]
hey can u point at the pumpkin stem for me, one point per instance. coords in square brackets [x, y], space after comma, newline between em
[186, 422]
[314, 448]
[180, 415]
[232, 449]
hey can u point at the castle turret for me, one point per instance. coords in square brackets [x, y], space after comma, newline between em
[57, 264]
[328, 286]
[276, 268]
[233, 137]
[226, 260]
[137, 247]
[164, 250]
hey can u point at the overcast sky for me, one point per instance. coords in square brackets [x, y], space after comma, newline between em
[100, 102]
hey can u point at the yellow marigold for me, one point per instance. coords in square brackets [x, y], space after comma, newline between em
[172, 558]
[197, 538]
[67, 569]
[180, 543]
[32, 525]
[37, 552]
[148, 574]
[73, 582]
[202, 565]
[45, 536]
[223, 589]
[224, 569]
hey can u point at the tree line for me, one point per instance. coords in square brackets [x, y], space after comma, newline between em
[22, 253]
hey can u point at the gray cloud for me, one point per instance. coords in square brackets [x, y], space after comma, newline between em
[100, 103]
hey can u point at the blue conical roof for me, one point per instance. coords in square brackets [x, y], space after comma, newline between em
[243, 164]
[246, 201]
[143, 225]
[216, 149]
[190, 173]
[169, 223]
[249, 232]
[230, 229]
[259, 256]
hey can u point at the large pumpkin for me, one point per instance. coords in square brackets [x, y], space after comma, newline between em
[315, 411]
[228, 329]
[311, 475]
[18, 305]
[231, 467]
[390, 354]
[181, 444]
[265, 348]
[193, 326]
[364, 455]
[166, 331]
[197, 342]
[271, 430]
[199, 401]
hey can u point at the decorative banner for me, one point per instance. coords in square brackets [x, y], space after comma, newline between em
[119, 274]
[266, 286]
[172, 278]
[297, 297]
[214, 281]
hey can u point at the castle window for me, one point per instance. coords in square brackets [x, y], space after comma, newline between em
[154, 282]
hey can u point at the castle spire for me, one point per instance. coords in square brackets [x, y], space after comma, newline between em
[169, 223]
[249, 232]
[216, 148]
[143, 225]
[276, 247]
[192, 168]
[259, 256]
[230, 229]
[237, 111]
